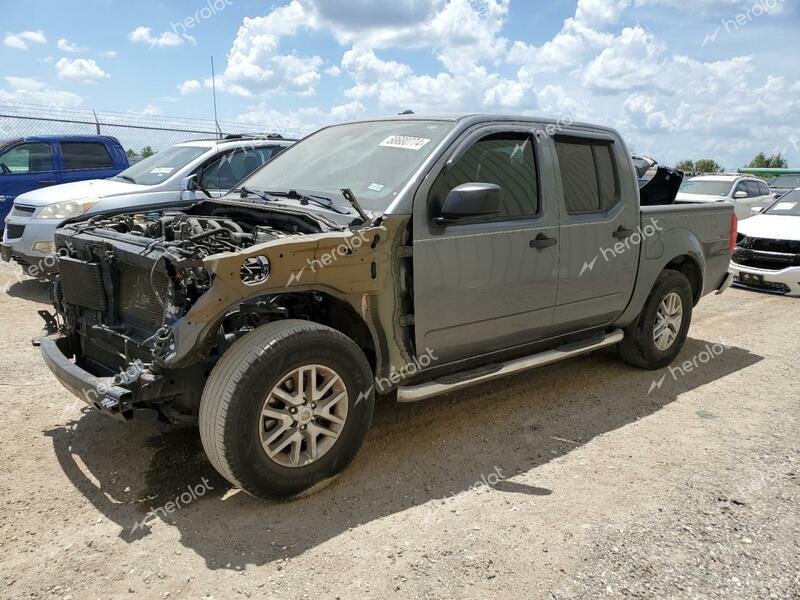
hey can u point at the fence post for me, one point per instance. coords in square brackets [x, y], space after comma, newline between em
[97, 123]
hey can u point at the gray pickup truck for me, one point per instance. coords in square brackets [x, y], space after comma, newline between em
[408, 255]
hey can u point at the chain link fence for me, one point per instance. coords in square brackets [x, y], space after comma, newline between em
[136, 132]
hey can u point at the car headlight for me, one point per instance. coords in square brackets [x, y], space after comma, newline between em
[67, 210]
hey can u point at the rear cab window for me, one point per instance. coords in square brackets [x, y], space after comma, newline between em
[588, 174]
[505, 159]
[85, 155]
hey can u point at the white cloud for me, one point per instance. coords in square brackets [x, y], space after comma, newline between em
[22, 39]
[151, 110]
[630, 62]
[66, 46]
[143, 35]
[189, 87]
[109, 54]
[32, 91]
[84, 70]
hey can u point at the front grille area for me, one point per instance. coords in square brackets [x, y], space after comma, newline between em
[22, 211]
[771, 255]
[82, 283]
[14, 231]
[138, 295]
[766, 286]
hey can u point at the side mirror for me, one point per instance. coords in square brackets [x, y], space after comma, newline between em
[469, 201]
[740, 195]
[757, 210]
[189, 183]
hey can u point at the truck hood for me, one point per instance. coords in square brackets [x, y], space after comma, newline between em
[79, 190]
[773, 227]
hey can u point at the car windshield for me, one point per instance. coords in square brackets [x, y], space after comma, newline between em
[706, 187]
[785, 181]
[788, 205]
[159, 167]
[374, 160]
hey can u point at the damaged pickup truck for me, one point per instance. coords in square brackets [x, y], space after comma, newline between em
[409, 255]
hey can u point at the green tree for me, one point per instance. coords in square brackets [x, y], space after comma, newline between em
[147, 151]
[687, 166]
[131, 153]
[707, 166]
[776, 161]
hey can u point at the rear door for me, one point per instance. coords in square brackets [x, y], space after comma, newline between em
[600, 230]
[24, 167]
[86, 160]
[486, 285]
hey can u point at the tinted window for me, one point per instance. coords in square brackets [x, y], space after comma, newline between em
[85, 155]
[752, 189]
[763, 189]
[506, 160]
[27, 158]
[587, 174]
[227, 171]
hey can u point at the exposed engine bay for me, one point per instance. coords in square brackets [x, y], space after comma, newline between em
[126, 280]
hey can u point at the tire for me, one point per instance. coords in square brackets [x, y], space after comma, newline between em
[639, 348]
[251, 375]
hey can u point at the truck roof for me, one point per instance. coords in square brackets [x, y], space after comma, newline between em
[56, 138]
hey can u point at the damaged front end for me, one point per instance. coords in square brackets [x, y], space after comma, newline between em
[146, 303]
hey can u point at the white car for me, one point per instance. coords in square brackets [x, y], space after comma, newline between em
[744, 192]
[181, 173]
[767, 255]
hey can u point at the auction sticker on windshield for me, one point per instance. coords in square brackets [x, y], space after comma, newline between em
[162, 170]
[405, 142]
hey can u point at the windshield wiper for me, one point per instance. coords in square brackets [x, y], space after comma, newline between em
[304, 199]
[126, 178]
[244, 192]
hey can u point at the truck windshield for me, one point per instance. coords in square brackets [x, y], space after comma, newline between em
[373, 159]
[704, 187]
[788, 205]
[785, 181]
[159, 167]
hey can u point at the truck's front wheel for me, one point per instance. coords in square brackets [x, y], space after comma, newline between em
[658, 334]
[286, 408]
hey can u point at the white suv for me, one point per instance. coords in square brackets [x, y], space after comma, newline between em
[744, 192]
[183, 173]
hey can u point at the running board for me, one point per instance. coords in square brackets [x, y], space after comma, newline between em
[414, 393]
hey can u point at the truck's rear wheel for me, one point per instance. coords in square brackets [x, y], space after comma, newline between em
[286, 408]
[659, 332]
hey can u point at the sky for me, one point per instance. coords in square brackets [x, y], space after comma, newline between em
[681, 79]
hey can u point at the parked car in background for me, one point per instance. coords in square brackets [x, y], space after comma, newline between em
[35, 162]
[159, 180]
[744, 192]
[767, 255]
[466, 248]
[780, 181]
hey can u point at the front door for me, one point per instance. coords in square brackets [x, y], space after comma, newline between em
[25, 167]
[600, 231]
[490, 284]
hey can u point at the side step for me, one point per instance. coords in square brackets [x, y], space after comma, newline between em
[423, 391]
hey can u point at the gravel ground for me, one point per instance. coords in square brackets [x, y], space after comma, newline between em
[583, 479]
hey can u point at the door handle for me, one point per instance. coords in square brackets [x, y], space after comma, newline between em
[48, 181]
[622, 233]
[542, 241]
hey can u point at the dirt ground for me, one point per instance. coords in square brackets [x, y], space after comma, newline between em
[584, 479]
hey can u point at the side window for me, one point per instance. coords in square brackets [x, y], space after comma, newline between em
[228, 170]
[85, 155]
[740, 187]
[588, 174]
[763, 189]
[27, 158]
[753, 190]
[506, 160]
